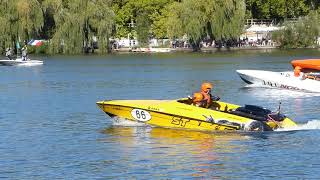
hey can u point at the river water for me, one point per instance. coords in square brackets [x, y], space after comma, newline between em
[51, 128]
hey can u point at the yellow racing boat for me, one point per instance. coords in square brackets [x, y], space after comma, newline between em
[181, 113]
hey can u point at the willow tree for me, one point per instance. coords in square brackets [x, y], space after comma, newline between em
[20, 21]
[218, 19]
[278, 9]
[77, 22]
[138, 17]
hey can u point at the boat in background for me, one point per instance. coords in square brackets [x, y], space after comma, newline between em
[181, 114]
[20, 62]
[151, 50]
[305, 77]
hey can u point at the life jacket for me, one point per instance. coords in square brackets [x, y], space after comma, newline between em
[207, 99]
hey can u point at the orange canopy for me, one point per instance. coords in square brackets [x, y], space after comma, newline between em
[313, 64]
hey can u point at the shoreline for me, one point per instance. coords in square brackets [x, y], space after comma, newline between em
[204, 49]
[262, 49]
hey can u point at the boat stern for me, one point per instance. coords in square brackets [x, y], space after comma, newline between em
[287, 123]
[284, 124]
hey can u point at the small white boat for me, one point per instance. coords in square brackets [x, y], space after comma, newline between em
[20, 62]
[152, 50]
[307, 80]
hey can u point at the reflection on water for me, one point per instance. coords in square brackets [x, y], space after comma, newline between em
[51, 127]
[198, 153]
[184, 154]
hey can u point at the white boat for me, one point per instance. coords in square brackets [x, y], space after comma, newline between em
[152, 50]
[20, 62]
[306, 80]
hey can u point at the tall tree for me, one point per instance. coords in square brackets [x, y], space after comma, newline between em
[300, 34]
[276, 9]
[143, 28]
[313, 4]
[77, 22]
[21, 20]
[219, 19]
[139, 17]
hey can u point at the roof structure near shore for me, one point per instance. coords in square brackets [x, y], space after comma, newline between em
[262, 28]
[259, 31]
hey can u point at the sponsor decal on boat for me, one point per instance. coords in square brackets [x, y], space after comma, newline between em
[273, 84]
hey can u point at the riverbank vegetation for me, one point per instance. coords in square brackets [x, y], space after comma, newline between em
[75, 26]
[303, 33]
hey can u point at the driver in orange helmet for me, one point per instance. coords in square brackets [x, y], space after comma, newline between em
[297, 71]
[197, 99]
[207, 98]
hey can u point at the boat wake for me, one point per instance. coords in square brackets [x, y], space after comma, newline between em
[310, 125]
[124, 122]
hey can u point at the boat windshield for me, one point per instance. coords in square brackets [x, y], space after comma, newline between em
[314, 71]
[312, 75]
[187, 100]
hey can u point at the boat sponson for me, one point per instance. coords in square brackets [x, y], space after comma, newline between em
[307, 64]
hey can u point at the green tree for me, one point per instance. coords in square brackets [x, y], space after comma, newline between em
[143, 29]
[77, 22]
[20, 21]
[218, 19]
[144, 14]
[313, 4]
[276, 9]
[300, 34]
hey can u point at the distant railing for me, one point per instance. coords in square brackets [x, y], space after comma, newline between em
[268, 22]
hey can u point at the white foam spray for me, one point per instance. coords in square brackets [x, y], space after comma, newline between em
[124, 122]
[310, 125]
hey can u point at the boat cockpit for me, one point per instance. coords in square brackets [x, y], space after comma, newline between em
[250, 111]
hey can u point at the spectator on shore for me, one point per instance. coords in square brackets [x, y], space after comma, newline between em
[24, 53]
[8, 53]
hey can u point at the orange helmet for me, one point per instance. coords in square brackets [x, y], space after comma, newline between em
[197, 97]
[205, 86]
[297, 71]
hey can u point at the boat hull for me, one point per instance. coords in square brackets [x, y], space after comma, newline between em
[173, 114]
[166, 120]
[283, 80]
[20, 62]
